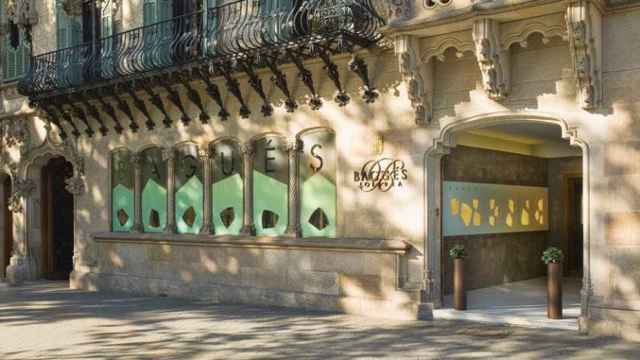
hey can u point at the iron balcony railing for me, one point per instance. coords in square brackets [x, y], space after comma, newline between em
[233, 31]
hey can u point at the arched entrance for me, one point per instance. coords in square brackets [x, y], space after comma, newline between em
[57, 219]
[7, 226]
[516, 250]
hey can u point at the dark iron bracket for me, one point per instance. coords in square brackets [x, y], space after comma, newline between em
[332, 71]
[360, 68]
[280, 80]
[212, 91]
[93, 111]
[124, 107]
[185, 78]
[156, 100]
[234, 88]
[109, 110]
[174, 96]
[307, 79]
[140, 105]
[256, 84]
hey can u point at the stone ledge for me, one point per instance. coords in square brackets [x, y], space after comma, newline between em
[393, 246]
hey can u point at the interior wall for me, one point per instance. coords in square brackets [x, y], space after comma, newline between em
[495, 258]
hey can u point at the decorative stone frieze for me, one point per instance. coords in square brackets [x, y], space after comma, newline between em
[13, 132]
[492, 59]
[584, 29]
[430, 4]
[75, 185]
[399, 10]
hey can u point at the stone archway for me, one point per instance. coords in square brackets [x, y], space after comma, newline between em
[25, 203]
[441, 145]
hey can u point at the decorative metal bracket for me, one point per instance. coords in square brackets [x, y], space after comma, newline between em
[174, 96]
[93, 111]
[65, 115]
[111, 112]
[280, 80]
[360, 68]
[307, 79]
[213, 91]
[79, 113]
[156, 100]
[140, 105]
[256, 84]
[234, 88]
[185, 78]
[332, 71]
[124, 107]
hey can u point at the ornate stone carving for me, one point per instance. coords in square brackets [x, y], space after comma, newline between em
[22, 188]
[75, 185]
[492, 59]
[14, 132]
[585, 45]
[416, 87]
[72, 7]
[22, 12]
[430, 4]
[548, 26]
[399, 10]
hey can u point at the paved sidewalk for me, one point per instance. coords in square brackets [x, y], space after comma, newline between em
[47, 321]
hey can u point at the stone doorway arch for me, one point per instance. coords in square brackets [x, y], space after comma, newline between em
[25, 203]
[442, 143]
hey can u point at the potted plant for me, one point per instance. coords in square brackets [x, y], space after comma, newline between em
[553, 258]
[458, 253]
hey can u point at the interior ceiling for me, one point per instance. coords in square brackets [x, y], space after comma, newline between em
[528, 134]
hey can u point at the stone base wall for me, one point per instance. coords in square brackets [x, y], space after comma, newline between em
[615, 322]
[363, 281]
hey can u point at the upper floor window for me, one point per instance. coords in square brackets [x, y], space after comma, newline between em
[16, 51]
[90, 21]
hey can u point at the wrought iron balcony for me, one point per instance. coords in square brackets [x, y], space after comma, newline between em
[227, 38]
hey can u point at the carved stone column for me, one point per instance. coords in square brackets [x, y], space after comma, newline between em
[248, 227]
[169, 155]
[294, 146]
[136, 159]
[207, 225]
[21, 265]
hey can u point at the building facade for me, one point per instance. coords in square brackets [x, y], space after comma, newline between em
[323, 154]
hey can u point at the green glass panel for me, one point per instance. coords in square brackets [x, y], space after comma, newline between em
[270, 186]
[228, 193]
[154, 203]
[318, 192]
[318, 184]
[122, 208]
[189, 196]
[269, 194]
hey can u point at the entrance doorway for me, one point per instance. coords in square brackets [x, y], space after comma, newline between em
[57, 220]
[7, 226]
[508, 192]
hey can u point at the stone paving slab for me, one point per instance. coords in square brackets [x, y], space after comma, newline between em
[46, 320]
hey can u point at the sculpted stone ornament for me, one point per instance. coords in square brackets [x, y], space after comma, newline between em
[410, 68]
[399, 10]
[22, 188]
[75, 185]
[585, 46]
[22, 12]
[492, 59]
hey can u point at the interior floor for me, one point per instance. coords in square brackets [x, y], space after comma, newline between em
[522, 303]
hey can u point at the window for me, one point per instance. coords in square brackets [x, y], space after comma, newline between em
[227, 187]
[189, 190]
[270, 186]
[154, 190]
[318, 183]
[122, 191]
[16, 51]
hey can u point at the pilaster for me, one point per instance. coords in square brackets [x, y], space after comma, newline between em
[294, 147]
[136, 159]
[207, 225]
[169, 155]
[248, 151]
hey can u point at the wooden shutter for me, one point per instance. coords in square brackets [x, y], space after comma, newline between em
[68, 28]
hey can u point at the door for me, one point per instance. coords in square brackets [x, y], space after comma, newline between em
[58, 216]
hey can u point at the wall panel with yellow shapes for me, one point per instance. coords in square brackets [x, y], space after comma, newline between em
[474, 208]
